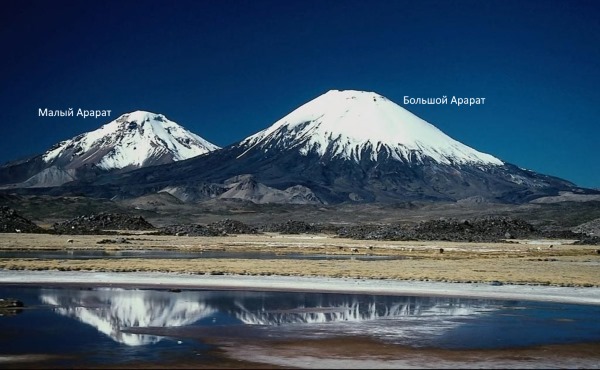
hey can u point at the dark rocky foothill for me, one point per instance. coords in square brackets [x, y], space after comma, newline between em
[293, 227]
[114, 241]
[476, 230]
[100, 223]
[218, 228]
[488, 229]
[228, 226]
[12, 222]
[482, 229]
[187, 230]
[590, 228]
[561, 234]
[592, 240]
[376, 232]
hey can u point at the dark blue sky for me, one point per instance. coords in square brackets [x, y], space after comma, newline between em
[226, 69]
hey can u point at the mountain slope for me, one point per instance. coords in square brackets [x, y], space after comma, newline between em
[343, 146]
[132, 141]
[354, 124]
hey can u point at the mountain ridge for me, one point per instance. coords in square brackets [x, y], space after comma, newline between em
[343, 146]
[133, 140]
[282, 156]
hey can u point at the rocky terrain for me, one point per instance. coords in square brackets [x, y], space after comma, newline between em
[12, 222]
[100, 223]
[297, 227]
[418, 222]
[589, 241]
[488, 229]
[219, 228]
[590, 228]
[589, 237]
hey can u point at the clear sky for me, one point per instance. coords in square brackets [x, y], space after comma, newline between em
[226, 69]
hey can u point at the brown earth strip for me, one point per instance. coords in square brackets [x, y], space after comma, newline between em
[516, 263]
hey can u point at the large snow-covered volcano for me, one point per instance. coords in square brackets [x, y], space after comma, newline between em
[353, 124]
[132, 141]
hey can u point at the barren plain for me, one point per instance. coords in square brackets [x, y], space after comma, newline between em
[541, 262]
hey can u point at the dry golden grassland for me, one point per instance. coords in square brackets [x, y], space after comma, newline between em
[538, 262]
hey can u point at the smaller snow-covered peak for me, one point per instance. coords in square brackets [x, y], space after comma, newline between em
[141, 116]
[349, 124]
[134, 139]
[133, 120]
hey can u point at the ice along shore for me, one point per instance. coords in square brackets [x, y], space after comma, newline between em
[159, 280]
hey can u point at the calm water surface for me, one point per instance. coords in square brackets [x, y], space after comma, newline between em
[105, 326]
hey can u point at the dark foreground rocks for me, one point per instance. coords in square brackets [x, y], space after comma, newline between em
[100, 223]
[12, 222]
[229, 227]
[118, 240]
[482, 229]
[219, 228]
[296, 227]
[485, 229]
[489, 229]
[592, 240]
[10, 302]
[590, 228]
[10, 306]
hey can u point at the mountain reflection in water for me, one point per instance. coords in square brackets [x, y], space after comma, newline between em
[111, 310]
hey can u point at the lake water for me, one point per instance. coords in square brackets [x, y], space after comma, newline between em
[73, 327]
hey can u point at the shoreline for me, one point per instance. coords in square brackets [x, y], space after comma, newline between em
[161, 280]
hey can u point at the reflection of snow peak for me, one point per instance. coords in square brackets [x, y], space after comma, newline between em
[406, 321]
[111, 310]
[399, 319]
[354, 311]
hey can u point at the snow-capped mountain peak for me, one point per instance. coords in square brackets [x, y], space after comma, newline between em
[133, 140]
[351, 124]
